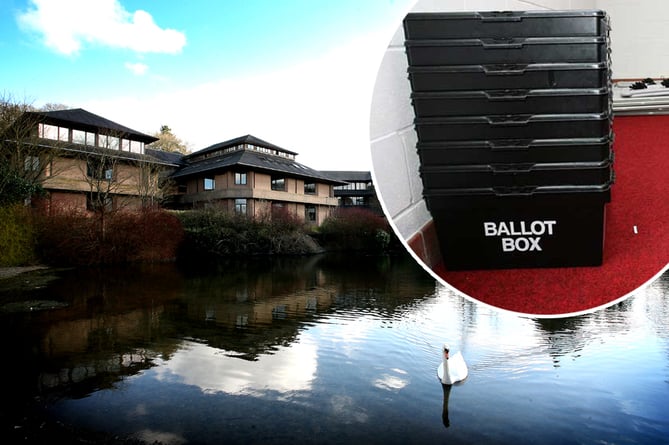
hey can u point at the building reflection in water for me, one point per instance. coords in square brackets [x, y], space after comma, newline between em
[273, 328]
[236, 318]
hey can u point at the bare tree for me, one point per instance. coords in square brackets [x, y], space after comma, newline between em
[154, 185]
[109, 175]
[51, 106]
[24, 159]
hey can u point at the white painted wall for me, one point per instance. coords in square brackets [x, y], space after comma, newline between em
[639, 39]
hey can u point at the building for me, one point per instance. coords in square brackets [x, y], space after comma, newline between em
[84, 161]
[358, 190]
[253, 177]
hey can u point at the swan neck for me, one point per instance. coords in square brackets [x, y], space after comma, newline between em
[446, 379]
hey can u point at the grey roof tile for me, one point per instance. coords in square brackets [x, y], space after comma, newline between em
[248, 159]
[85, 120]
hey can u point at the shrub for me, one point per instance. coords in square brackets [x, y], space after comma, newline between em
[351, 228]
[163, 244]
[14, 188]
[17, 241]
[73, 237]
[217, 232]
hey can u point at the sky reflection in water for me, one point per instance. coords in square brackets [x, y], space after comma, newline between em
[311, 353]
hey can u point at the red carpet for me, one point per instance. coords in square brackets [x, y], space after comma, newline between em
[640, 197]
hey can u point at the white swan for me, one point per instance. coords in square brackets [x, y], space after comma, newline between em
[452, 368]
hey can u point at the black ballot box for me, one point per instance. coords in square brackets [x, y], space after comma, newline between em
[513, 119]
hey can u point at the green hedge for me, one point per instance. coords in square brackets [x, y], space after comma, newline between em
[17, 240]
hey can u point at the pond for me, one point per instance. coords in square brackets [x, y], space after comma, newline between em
[329, 350]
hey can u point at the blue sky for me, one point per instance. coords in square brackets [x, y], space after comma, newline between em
[297, 73]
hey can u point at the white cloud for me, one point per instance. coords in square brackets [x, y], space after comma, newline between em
[137, 68]
[67, 24]
[287, 370]
[318, 108]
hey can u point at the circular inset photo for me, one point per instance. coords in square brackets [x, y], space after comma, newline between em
[513, 164]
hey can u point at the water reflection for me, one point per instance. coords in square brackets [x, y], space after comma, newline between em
[444, 410]
[306, 347]
[213, 370]
[251, 310]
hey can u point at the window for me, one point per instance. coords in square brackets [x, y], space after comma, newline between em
[110, 142]
[47, 131]
[83, 137]
[99, 201]
[310, 213]
[114, 143]
[136, 146]
[125, 145]
[278, 184]
[278, 209]
[31, 163]
[309, 188]
[240, 206]
[103, 141]
[63, 134]
[240, 178]
[354, 186]
[209, 183]
[79, 137]
[100, 170]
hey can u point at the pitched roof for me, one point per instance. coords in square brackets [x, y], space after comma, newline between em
[85, 120]
[165, 157]
[252, 160]
[247, 139]
[348, 175]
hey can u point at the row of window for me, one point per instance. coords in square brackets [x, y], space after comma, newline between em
[277, 183]
[252, 147]
[95, 169]
[354, 186]
[98, 169]
[352, 201]
[241, 206]
[210, 183]
[64, 134]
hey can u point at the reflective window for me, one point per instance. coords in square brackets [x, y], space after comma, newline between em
[240, 178]
[31, 163]
[278, 184]
[240, 206]
[310, 213]
[100, 170]
[79, 137]
[114, 143]
[136, 146]
[47, 131]
[63, 134]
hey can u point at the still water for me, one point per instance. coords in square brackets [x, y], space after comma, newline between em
[332, 350]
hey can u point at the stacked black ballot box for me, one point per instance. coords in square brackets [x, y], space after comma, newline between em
[513, 119]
